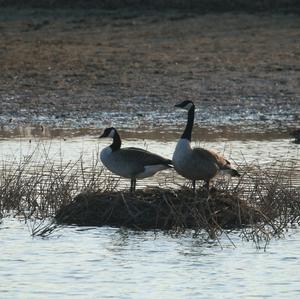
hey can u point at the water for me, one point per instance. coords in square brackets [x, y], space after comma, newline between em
[70, 149]
[115, 263]
[239, 151]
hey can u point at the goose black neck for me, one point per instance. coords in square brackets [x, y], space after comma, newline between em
[187, 134]
[116, 145]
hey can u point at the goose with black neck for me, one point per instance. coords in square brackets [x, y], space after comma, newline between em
[131, 162]
[197, 163]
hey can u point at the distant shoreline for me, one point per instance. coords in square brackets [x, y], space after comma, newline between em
[200, 6]
[85, 68]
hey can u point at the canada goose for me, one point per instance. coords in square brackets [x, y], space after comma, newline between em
[130, 162]
[197, 163]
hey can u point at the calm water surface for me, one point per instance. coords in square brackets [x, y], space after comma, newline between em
[113, 263]
[249, 150]
[238, 151]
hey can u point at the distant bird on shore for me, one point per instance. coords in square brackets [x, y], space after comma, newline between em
[133, 163]
[197, 163]
[296, 135]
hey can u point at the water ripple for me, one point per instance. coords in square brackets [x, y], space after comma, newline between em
[114, 263]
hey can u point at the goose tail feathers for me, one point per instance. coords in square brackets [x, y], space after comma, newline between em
[231, 172]
[235, 173]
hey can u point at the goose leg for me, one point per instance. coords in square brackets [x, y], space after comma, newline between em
[206, 185]
[194, 185]
[132, 185]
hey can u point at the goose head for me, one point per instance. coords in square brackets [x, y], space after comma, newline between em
[186, 105]
[109, 132]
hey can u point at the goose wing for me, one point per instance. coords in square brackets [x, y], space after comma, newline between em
[211, 157]
[143, 157]
[214, 161]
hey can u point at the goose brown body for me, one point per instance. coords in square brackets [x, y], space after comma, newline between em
[197, 163]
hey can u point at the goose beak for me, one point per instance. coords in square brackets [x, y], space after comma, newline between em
[102, 136]
[177, 105]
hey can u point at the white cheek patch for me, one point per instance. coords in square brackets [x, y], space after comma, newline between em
[111, 133]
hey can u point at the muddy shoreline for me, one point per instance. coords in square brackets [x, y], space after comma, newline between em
[75, 69]
[201, 6]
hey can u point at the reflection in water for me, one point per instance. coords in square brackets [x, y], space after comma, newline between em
[118, 263]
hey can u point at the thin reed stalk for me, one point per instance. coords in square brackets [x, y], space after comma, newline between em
[262, 204]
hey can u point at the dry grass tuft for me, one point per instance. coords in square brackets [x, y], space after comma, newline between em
[260, 205]
[156, 208]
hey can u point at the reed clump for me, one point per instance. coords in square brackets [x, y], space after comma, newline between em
[260, 206]
[263, 203]
[157, 208]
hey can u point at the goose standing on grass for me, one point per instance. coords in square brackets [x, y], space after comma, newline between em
[197, 163]
[133, 163]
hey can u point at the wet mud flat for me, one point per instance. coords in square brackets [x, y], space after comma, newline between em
[95, 68]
